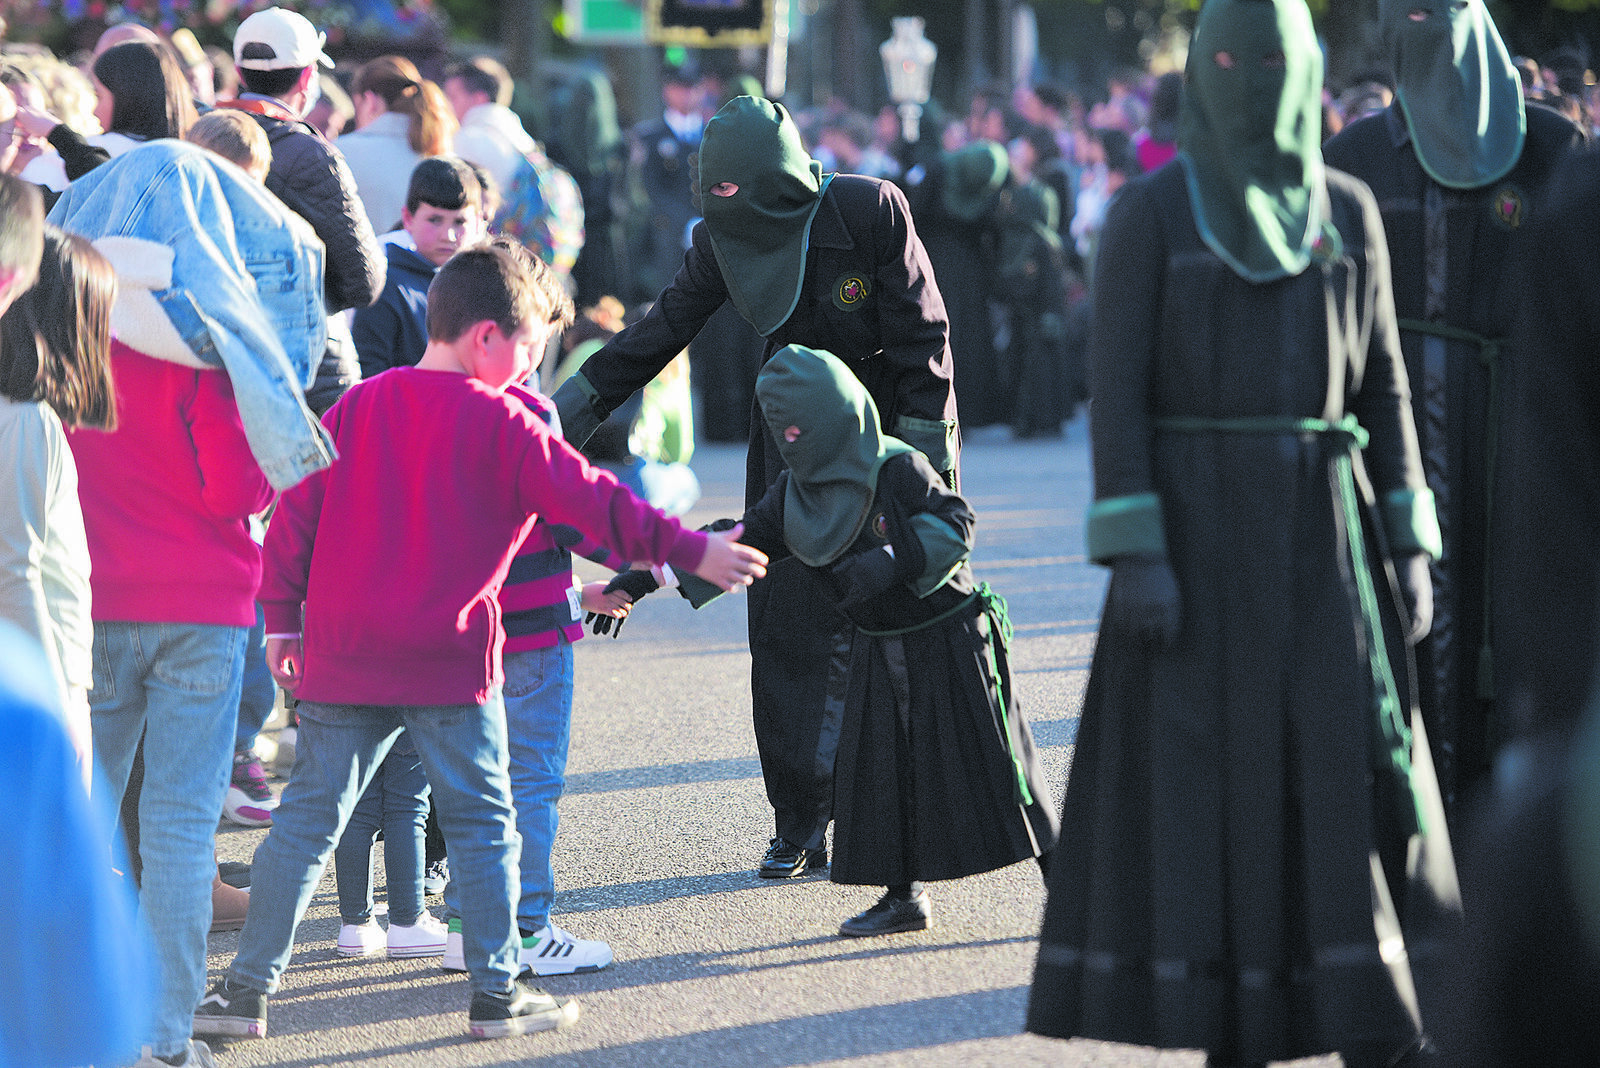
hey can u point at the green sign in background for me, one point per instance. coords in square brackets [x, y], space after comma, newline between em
[602, 22]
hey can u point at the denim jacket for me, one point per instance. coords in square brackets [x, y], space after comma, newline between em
[236, 274]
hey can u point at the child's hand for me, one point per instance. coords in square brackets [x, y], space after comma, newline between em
[599, 601]
[285, 659]
[729, 565]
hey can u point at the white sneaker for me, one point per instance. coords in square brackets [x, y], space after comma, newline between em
[361, 939]
[198, 1055]
[425, 938]
[552, 951]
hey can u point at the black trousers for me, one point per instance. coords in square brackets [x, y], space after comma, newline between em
[799, 653]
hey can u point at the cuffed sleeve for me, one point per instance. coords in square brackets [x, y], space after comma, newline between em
[580, 407]
[934, 438]
[1411, 523]
[944, 551]
[1118, 526]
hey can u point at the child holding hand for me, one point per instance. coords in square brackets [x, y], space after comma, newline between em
[445, 471]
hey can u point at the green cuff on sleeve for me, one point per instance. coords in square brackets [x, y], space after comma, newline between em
[934, 438]
[1119, 526]
[581, 410]
[945, 551]
[1411, 524]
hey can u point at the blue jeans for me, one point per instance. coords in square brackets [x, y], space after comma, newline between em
[258, 691]
[538, 695]
[339, 747]
[177, 684]
[396, 803]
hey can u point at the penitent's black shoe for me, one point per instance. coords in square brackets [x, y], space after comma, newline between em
[784, 860]
[891, 915]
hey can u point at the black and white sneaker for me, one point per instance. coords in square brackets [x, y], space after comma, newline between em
[232, 1010]
[525, 1008]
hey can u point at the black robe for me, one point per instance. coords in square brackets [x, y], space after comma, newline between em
[936, 775]
[1224, 848]
[1449, 250]
[870, 299]
[1547, 570]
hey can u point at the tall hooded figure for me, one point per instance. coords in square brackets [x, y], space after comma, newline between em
[1460, 166]
[831, 262]
[1252, 838]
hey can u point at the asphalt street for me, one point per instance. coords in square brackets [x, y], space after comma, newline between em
[665, 819]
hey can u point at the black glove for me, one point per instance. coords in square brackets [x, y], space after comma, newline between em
[864, 575]
[1144, 599]
[1416, 589]
[635, 584]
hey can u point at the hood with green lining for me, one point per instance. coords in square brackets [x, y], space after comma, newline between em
[1250, 135]
[1459, 93]
[759, 234]
[835, 456]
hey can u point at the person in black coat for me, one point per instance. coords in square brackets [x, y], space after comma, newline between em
[1460, 165]
[832, 263]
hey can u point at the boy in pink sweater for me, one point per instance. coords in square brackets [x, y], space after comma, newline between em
[380, 598]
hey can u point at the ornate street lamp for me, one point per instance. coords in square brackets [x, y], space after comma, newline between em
[908, 64]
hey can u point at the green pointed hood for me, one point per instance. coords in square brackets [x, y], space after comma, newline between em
[1250, 134]
[973, 178]
[1459, 93]
[760, 233]
[834, 461]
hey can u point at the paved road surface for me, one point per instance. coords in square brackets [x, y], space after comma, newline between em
[665, 819]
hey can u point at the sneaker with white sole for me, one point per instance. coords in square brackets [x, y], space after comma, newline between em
[250, 800]
[523, 1009]
[455, 959]
[361, 939]
[232, 1010]
[425, 938]
[195, 1055]
[552, 951]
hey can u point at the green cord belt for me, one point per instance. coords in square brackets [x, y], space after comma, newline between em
[1391, 738]
[994, 606]
[1489, 356]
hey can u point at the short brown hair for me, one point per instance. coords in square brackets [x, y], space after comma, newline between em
[236, 137]
[498, 280]
[482, 74]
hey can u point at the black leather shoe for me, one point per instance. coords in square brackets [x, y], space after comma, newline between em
[784, 860]
[891, 915]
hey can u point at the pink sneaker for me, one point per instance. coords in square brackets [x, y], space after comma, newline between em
[250, 800]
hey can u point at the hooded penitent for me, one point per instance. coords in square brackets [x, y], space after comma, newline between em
[759, 234]
[834, 459]
[973, 178]
[1459, 93]
[1250, 135]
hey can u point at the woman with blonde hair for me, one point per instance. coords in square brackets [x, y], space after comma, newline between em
[401, 117]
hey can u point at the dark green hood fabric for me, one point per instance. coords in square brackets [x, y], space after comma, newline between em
[759, 234]
[1459, 93]
[1250, 135]
[973, 177]
[834, 462]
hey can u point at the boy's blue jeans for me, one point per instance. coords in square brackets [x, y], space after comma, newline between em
[538, 696]
[396, 803]
[463, 751]
[177, 684]
[258, 692]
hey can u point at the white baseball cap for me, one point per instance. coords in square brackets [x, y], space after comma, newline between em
[278, 39]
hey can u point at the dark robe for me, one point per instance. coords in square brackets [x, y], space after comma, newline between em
[1224, 849]
[1547, 487]
[1448, 251]
[933, 753]
[869, 298]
